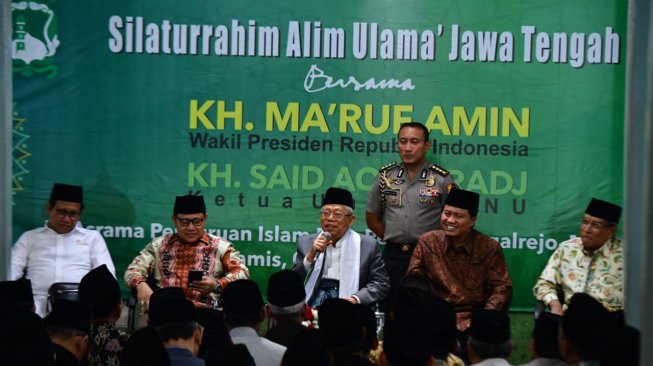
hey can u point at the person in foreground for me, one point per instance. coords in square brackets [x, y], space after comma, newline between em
[591, 264]
[170, 258]
[286, 307]
[244, 313]
[176, 323]
[489, 338]
[62, 250]
[339, 262]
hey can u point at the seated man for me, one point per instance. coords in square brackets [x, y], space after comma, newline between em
[591, 263]
[62, 250]
[466, 267]
[169, 258]
[341, 262]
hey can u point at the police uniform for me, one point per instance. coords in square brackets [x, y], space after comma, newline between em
[409, 209]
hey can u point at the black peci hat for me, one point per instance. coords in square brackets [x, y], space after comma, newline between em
[490, 327]
[189, 204]
[604, 210]
[70, 314]
[66, 192]
[461, 198]
[338, 196]
[285, 289]
[242, 297]
[99, 286]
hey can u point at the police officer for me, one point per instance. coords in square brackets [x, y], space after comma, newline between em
[406, 201]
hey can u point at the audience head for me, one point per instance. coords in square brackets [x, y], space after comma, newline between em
[489, 335]
[69, 325]
[368, 319]
[158, 297]
[307, 349]
[341, 327]
[18, 293]
[586, 330]
[625, 349]
[545, 336]
[427, 328]
[230, 355]
[145, 348]
[243, 304]
[216, 333]
[286, 294]
[412, 288]
[24, 340]
[100, 291]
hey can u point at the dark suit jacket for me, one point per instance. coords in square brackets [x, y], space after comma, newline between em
[373, 280]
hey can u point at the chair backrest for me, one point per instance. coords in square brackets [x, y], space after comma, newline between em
[62, 290]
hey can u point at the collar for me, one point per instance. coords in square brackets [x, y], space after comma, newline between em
[467, 243]
[77, 227]
[204, 240]
[605, 250]
[243, 332]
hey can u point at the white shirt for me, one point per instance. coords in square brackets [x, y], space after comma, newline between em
[46, 257]
[263, 351]
[493, 362]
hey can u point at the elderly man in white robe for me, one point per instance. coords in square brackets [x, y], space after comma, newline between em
[339, 262]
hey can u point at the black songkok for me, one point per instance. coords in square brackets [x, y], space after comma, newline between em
[461, 198]
[189, 204]
[490, 327]
[66, 192]
[70, 314]
[338, 196]
[604, 210]
[99, 287]
[285, 288]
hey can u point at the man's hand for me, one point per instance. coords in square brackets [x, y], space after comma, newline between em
[143, 293]
[205, 286]
[319, 246]
[556, 307]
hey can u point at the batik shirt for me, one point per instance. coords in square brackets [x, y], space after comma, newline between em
[169, 260]
[470, 277]
[104, 345]
[573, 269]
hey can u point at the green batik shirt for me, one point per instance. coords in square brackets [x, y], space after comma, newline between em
[572, 269]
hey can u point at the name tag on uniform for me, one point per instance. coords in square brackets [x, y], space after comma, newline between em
[429, 192]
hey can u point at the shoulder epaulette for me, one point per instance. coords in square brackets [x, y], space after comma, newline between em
[387, 166]
[442, 171]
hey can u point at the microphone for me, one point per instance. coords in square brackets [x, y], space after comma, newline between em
[327, 236]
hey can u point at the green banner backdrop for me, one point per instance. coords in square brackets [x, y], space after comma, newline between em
[261, 106]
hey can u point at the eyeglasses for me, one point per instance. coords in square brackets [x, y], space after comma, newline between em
[594, 225]
[197, 221]
[335, 215]
[74, 215]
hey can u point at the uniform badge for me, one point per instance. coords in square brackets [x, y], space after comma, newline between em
[449, 186]
[397, 181]
[430, 182]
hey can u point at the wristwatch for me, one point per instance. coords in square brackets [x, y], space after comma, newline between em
[218, 288]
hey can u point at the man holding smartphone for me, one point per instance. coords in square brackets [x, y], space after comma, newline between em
[200, 263]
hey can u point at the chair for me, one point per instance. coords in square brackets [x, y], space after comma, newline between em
[62, 290]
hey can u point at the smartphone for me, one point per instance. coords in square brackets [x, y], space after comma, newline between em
[195, 275]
